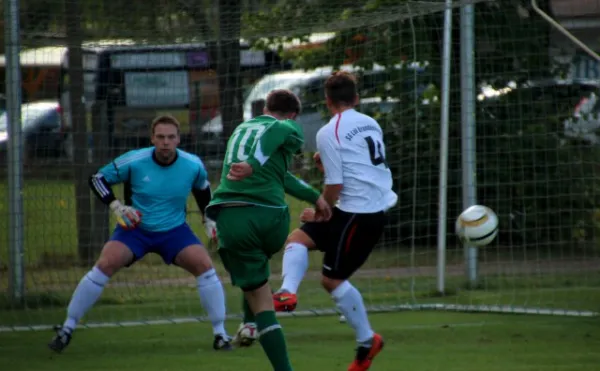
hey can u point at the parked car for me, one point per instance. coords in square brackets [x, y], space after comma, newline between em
[372, 105]
[579, 95]
[585, 122]
[309, 86]
[43, 132]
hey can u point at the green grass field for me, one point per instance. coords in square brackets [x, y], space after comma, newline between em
[124, 301]
[414, 341]
[50, 223]
[421, 340]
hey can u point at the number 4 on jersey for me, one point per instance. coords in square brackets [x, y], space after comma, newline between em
[376, 152]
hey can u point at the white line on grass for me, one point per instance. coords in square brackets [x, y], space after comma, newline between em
[500, 309]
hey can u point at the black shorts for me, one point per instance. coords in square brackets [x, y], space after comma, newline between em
[347, 240]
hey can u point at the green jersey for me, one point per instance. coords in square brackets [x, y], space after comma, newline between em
[268, 145]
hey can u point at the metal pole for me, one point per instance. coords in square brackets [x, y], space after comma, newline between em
[467, 85]
[444, 129]
[15, 150]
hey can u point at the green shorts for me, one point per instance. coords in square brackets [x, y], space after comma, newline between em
[248, 238]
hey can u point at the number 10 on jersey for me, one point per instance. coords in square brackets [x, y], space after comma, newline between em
[243, 143]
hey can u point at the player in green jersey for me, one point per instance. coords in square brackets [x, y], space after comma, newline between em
[252, 215]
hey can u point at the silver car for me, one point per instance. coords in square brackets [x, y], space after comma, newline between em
[43, 132]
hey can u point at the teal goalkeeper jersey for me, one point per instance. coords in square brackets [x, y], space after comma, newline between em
[160, 192]
[268, 145]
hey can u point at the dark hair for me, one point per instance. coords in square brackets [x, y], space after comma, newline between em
[283, 101]
[164, 119]
[340, 88]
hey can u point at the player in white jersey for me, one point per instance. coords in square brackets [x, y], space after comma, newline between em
[351, 153]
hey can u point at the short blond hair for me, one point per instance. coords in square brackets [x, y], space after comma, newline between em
[164, 119]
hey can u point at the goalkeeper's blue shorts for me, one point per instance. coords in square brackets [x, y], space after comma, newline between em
[167, 244]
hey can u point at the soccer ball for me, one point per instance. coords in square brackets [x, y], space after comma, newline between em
[246, 334]
[477, 226]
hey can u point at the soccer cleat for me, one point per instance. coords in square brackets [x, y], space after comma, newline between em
[364, 355]
[222, 343]
[61, 340]
[284, 301]
[245, 335]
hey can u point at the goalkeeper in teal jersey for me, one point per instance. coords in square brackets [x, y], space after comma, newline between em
[251, 214]
[158, 180]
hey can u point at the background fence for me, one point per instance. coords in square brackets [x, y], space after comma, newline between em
[521, 118]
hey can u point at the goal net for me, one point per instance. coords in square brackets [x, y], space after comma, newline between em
[536, 149]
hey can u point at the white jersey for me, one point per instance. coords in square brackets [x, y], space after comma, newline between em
[353, 154]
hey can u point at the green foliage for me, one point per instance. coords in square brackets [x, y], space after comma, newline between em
[543, 187]
[412, 144]
[528, 170]
[523, 162]
[512, 42]
[142, 20]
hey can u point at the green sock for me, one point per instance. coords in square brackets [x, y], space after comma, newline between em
[273, 341]
[248, 315]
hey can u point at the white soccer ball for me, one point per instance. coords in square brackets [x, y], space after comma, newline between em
[246, 334]
[477, 226]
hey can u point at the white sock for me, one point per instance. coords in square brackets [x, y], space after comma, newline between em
[85, 296]
[349, 301]
[212, 298]
[295, 264]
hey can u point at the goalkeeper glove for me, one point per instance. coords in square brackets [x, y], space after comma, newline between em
[127, 216]
[210, 227]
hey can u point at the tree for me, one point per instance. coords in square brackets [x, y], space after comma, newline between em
[143, 20]
[228, 65]
[511, 46]
[80, 168]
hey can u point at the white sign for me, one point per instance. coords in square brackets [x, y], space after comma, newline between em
[157, 89]
[148, 60]
[252, 58]
[584, 67]
[90, 61]
[89, 86]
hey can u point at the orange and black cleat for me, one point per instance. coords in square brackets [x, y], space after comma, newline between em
[364, 355]
[284, 301]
